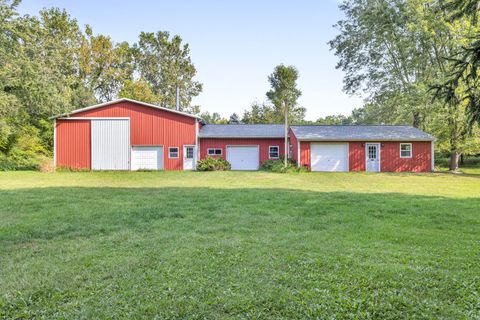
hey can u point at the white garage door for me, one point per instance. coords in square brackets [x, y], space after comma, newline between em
[110, 144]
[329, 156]
[243, 157]
[147, 158]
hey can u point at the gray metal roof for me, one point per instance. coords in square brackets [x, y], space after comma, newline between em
[242, 131]
[360, 133]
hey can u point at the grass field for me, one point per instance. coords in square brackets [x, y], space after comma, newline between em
[239, 245]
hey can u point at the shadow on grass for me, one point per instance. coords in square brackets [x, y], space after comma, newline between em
[56, 213]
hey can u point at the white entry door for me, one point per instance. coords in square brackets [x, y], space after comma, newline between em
[243, 157]
[189, 157]
[331, 157]
[147, 158]
[372, 151]
[110, 143]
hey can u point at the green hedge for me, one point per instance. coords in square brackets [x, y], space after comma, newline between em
[213, 164]
[279, 166]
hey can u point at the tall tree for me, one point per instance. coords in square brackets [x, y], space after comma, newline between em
[165, 64]
[137, 90]
[392, 52]
[284, 95]
[234, 119]
[259, 113]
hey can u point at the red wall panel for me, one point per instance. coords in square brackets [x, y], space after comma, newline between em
[421, 160]
[149, 126]
[305, 153]
[294, 145]
[356, 156]
[264, 143]
[73, 144]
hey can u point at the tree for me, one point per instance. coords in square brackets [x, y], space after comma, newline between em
[284, 95]
[213, 118]
[259, 113]
[334, 120]
[234, 119]
[165, 64]
[137, 90]
[392, 52]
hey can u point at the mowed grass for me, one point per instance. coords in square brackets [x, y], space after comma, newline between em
[98, 245]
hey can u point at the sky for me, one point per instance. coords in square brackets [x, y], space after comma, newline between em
[234, 45]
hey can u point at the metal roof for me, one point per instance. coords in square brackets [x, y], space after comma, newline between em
[242, 131]
[360, 133]
[123, 100]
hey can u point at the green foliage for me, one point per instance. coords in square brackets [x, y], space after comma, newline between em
[165, 64]
[213, 164]
[284, 94]
[278, 165]
[213, 118]
[138, 90]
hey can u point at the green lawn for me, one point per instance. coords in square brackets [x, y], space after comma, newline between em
[240, 245]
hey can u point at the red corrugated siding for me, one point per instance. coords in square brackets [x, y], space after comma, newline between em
[294, 145]
[356, 156]
[149, 126]
[73, 144]
[206, 143]
[305, 153]
[421, 160]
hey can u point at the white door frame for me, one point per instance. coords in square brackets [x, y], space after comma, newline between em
[379, 146]
[244, 145]
[194, 166]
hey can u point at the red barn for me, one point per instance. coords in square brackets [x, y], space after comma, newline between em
[130, 135]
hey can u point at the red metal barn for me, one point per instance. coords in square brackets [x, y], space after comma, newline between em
[126, 135]
[362, 148]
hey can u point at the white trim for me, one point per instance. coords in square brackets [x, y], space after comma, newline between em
[365, 140]
[433, 156]
[197, 143]
[94, 118]
[178, 153]
[298, 154]
[194, 156]
[411, 150]
[54, 143]
[379, 153]
[278, 151]
[208, 152]
[124, 100]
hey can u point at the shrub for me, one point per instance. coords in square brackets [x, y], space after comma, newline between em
[213, 164]
[279, 166]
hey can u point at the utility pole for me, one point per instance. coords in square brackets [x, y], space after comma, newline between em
[286, 135]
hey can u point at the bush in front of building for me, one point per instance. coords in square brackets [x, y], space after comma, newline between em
[278, 166]
[213, 164]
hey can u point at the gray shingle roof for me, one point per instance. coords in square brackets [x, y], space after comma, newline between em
[242, 131]
[360, 133]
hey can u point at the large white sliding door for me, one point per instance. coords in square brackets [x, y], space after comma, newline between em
[110, 140]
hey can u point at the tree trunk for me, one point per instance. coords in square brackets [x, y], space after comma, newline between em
[416, 119]
[462, 159]
[286, 137]
[454, 160]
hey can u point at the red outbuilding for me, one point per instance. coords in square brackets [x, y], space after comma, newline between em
[130, 135]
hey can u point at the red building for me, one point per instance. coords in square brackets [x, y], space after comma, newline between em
[130, 135]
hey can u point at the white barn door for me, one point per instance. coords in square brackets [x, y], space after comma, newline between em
[110, 144]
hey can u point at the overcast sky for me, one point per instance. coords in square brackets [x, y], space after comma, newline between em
[234, 45]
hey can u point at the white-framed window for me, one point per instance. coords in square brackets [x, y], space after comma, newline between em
[405, 150]
[214, 151]
[273, 152]
[173, 152]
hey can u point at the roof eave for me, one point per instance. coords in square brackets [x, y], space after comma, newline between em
[367, 140]
[104, 104]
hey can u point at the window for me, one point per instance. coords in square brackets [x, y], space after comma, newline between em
[273, 152]
[372, 152]
[214, 152]
[173, 152]
[405, 150]
[189, 152]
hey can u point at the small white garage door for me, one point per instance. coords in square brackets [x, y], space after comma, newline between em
[147, 158]
[243, 157]
[329, 156]
[110, 143]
